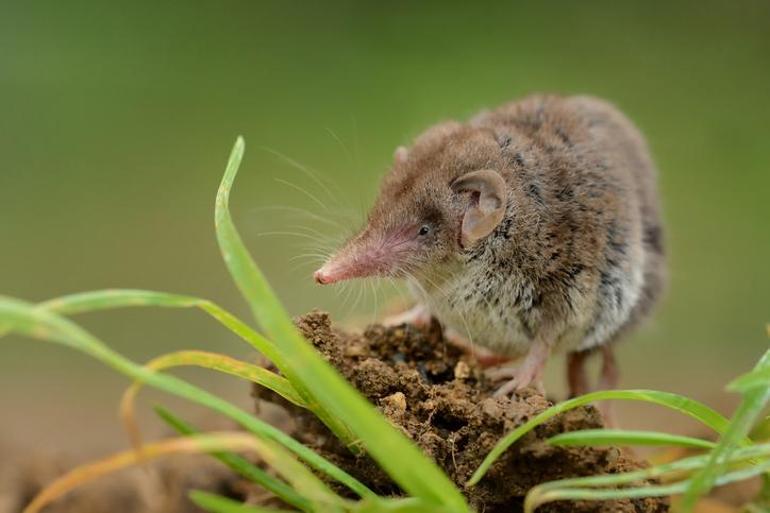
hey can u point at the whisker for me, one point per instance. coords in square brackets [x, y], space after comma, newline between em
[303, 211]
[356, 140]
[342, 144]
[330, 241]
[289, 234]
[309, 172]
[303, 191]
[376, 301]
[348, 289]
[308, 256]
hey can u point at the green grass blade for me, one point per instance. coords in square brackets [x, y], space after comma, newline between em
[301, 478]
[228, 365]
[618, 437]
[397, 455]
[217, 504]
[761, 431]
[689, 407]
[536, 498]
[122, 298]
[753, 402]
[396, 505]
[759, 378]
[42, 324]
[260, 297]
[241, 465]
[666, 470]
[540, 495]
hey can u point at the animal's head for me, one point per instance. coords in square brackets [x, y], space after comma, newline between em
[441, 197]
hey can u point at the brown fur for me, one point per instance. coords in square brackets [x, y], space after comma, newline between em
[578, 257]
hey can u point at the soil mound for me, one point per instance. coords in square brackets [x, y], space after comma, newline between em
[438, 395]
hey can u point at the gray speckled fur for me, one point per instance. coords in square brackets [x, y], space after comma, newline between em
[578, 258]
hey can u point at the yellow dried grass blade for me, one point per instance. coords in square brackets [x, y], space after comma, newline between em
[208, 360]
[316, 491]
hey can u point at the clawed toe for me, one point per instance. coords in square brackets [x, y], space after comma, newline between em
[520, 379]
[528, 373]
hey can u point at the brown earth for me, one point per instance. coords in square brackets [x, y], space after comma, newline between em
[438, 396]
[433, 391]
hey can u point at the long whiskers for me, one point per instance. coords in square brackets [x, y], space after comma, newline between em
[308, 171]
[342, 145]
[304, 191]
[301, 211]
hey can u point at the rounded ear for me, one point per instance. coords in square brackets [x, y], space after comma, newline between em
[400, 155]
[487, 203]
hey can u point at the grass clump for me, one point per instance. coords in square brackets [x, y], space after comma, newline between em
[307, 380]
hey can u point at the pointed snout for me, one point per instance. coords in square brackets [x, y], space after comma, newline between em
[364, 256]
[347, 265]
[322, 276]
[331, 272]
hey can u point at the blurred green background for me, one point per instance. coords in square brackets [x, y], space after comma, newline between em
[116, 120]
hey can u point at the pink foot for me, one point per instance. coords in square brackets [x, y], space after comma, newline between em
[529, 373]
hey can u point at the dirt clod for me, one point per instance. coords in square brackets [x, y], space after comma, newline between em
[439, 397]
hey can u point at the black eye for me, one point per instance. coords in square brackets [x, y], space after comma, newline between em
[424, 230]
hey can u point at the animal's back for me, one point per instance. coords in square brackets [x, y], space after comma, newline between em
[617, 128]
[599, 218]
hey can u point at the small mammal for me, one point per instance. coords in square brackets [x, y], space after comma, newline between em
[531, 228]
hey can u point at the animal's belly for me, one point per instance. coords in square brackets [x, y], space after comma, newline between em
[504, 336]
[501, 334]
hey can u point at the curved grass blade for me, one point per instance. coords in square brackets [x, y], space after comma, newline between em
[227, 365]
[248, 277]
[301, 478]
[759, 378]
[207, 360]
[753, 402]
[665, 471]
[682, 404]
[398, 456]
[241, 465]
[108, 299]
[121, 298]
[396, 505]
[619, 437]
[217, 504]
[193, 444]
[540, 495]
[41, 324]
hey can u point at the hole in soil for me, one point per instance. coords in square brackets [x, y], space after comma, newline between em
[448, 422]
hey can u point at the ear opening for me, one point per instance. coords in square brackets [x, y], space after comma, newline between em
[486, 207]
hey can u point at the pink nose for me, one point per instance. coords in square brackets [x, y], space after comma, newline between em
[320, 277]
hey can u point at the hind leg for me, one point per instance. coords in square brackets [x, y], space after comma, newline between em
[608, 380]
[577, 379]
[610, 376]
